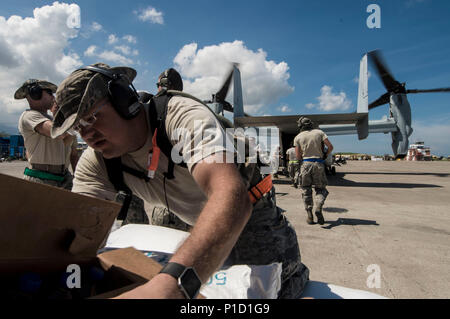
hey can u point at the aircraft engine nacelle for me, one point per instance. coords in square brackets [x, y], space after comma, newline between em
[400, 110]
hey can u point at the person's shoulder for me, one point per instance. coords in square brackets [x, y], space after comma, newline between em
[181, 108]
[317, 131]
[320, 132]
[90, 156]
[184, 101]
[91, 161]
[34, 115]
[302, 133]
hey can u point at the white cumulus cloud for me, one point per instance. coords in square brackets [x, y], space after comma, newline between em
[130, 38]
[125, 49]
[329, 101]
[112, 38]
[107, 56]
[150, 14]
[205, 70]
[284, 109]
[36, 47]
[96, 26]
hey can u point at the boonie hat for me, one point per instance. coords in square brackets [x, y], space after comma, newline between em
[77, 94]
[22, 92]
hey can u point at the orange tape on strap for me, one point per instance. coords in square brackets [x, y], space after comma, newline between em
[153, 165]
[259, 190]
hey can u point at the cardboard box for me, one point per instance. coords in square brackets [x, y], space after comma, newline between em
[44, 229]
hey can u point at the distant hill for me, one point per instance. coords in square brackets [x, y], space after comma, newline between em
[9, 129]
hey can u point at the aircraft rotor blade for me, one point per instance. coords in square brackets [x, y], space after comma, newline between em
[222, 93]
[383, 71]
[227, 106]
[429, 91]
[385, 98]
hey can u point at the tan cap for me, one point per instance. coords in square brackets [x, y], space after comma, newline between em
[79, 92]
[22, 92]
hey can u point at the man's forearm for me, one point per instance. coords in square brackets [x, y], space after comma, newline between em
[216, 231]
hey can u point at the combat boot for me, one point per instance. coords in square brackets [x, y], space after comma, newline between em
[320, 219]
[310, 219]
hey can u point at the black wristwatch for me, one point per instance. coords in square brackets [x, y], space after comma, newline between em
[188, 280]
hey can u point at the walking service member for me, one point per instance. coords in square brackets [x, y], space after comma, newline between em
[309, 147]
[293, 165]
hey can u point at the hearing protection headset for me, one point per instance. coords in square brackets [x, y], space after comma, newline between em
[124, 97]
[34, 90]
[164, 80]
[171, 80]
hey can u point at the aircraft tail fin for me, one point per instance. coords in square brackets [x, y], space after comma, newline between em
[363, 100]
[238, 104]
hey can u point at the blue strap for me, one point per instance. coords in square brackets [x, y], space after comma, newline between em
[315, 160]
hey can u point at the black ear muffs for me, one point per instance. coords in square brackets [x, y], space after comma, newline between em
[123, 95]
[171, 80]
[164, 80]
[35, 91]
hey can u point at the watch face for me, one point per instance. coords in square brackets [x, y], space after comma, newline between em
[190, 283]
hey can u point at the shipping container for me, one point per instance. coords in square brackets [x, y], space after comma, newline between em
[16, 140]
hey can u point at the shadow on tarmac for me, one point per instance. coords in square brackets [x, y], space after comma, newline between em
[281, 181]
[335, 210]
[350, 222]
[398, 173]
[319, 290]
[281, 194]
[339, 180]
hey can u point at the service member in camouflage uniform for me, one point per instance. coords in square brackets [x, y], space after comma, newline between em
[293, 165]
[46, 156]
[309, 145]
[210, 194]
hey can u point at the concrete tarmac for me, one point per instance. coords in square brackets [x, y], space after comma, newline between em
[387, 227]
[386, 220]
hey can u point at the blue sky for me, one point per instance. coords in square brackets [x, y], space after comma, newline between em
[296, 57]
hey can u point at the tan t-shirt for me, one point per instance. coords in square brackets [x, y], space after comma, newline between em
[41, 149]
[184, 196]
[311, 143]
[291, 155]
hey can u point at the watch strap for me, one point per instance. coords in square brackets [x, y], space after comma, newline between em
[181, 273]
[173, 269]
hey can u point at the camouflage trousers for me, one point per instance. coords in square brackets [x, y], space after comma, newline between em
[136, 212]
[67, 183]
[160, 216]
[268, 237]
[293, 169]
[313, 174]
